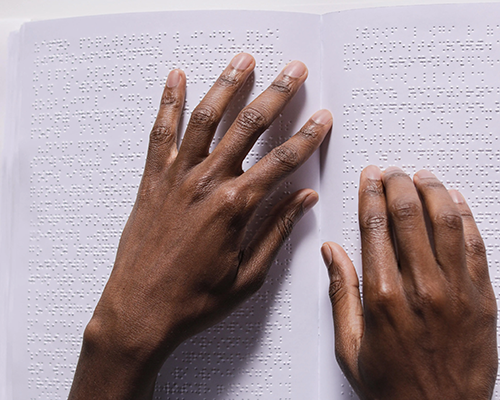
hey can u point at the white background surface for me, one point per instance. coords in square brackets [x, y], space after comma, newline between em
[44, 9]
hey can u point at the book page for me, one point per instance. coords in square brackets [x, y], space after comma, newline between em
[416, 87]
[90, 91]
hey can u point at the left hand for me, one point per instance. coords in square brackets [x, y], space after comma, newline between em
[181, 265]
[427, 325]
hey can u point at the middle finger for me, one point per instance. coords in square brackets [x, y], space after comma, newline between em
[206, 116]
[254, 119]
[414, 250]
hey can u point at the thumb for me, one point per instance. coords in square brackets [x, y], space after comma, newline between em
[262, 249]
[346, 306]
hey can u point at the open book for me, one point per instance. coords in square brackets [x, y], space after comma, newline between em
[417, 87]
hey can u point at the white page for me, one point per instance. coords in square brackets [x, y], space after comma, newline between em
[416, 87]
[90, 90]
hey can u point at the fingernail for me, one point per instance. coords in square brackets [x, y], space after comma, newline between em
[423, 173]
[322, 117]
[372, 172]
[242, 61]
[392, 169]
[457, 197]
[295, 69]
[326, 253]
[173, 79]
[310, 201]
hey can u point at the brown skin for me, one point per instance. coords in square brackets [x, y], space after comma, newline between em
[181, 266]
[427, 326]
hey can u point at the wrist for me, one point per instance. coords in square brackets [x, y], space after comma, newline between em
[130, 338]
[116, 364]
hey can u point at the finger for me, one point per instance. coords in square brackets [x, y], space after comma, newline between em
[260, 253]
[286, 158]
[407, 220]
[163, 138]
[258, 115]
[475, 250]
[207, 115]
[346, 307]
[446, 224]
[380, 267]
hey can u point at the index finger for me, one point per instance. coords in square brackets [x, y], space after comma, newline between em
[286, 158]
[406, 212]
[475, 250]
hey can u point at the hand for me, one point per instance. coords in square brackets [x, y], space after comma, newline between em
[180, 266]
[427, 326]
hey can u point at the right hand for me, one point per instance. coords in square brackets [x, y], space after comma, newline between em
[427, 325]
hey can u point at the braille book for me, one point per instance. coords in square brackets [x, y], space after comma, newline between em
[417, 87]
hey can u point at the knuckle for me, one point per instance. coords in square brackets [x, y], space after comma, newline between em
[254, 280]
[383, 298]
[229, 196]
[474, 246]
[467, 214]
[286, 156]
[373, 188]
[204, 116]
[252, 120]
[449, 219]
[200, 187]
[228, 79]
[427, 298]
[431, 184]
[405, 210]
[170, 99]
[308, 132]
[285, 226]
[282, 86]
[161, 134]
[336, 289]
[234, 205]
[395, 175]
[374, 222]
